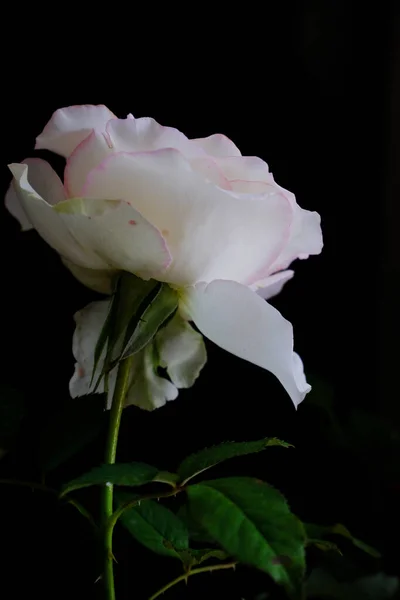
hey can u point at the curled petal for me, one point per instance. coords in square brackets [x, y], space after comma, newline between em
[182, 352]
[305, 236]
[148, 390]
[47, 221]
[298, 370]
[217, 145]
[46, 183]
[69, 126]
[14, 206]
[239, 321]
[245, 168]
[146, 135]
[272, 285]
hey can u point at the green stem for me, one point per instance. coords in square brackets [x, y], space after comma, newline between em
[121, 388]
[184, 577]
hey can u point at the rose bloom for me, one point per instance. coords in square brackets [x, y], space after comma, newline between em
[194, 213]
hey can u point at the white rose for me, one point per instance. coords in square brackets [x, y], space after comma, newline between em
[193, 213]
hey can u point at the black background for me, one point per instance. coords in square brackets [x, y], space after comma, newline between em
[312, 88]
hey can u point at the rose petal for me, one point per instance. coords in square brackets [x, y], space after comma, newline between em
[89, 322]
[298, 369]
[217, 235]
[217, 145]
[122, 135]
[48, 223]
[305, 239]
[208, 167]
[148, 390]
[44, 180]
[182, 351]
[241, 322]
[118, 234]
[99, 280]
[69, 126]
[246, 168]
[145, 134]
[13, 205]
[272, 285]
[86, 155]
[249, 187]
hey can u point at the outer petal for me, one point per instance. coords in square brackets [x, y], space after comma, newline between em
[247, 168]
[272, 285]
[298, 369]
[99, 280]
[238, 320]
[69, 126]
[89, 322]
[217, 235]
[145, 134]
[48, 223]
[217, 145]
[14, 206]
[116, 232]
[182, 351]
[305, 236]
[148, 390]
[44, 180]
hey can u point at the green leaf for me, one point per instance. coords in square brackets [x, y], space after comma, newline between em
[208, 457]
[77, 423]
[158, 310]
[167, 477]
[191, 557]
[196, 532]
[154, 526]
[127, 474]
[253, 523]
[319, 531]
[324, 545]
[12, 410]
